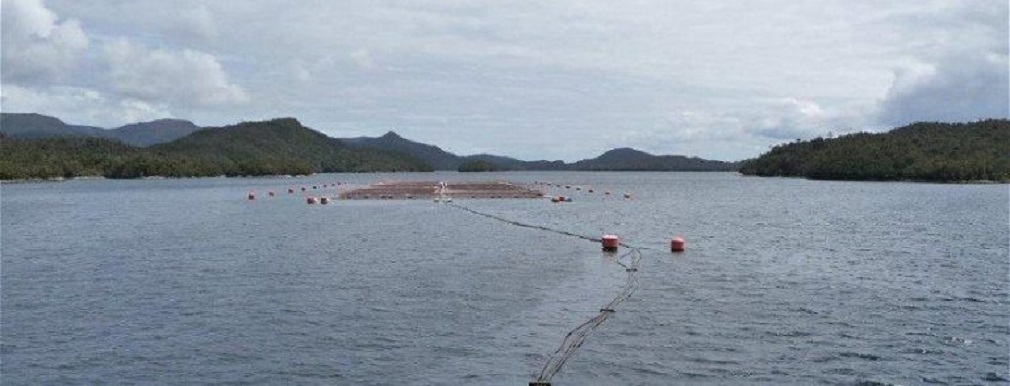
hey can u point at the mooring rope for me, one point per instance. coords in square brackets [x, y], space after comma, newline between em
[574, 339]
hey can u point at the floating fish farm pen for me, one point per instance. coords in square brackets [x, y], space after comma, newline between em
[409, 190]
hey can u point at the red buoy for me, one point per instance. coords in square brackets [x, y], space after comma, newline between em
[310, 200]
[677, 244]
[252, 195]
[610, 243]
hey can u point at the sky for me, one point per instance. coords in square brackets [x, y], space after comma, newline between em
[550, 80]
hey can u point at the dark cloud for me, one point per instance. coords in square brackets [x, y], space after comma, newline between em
[965, 87]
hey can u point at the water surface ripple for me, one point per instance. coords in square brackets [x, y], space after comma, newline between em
[785, 281]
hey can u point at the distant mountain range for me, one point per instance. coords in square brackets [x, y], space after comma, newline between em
[173, 147]
[35, 126]
[275, 147]
[622, 159]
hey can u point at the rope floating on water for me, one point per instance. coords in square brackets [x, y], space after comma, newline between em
[630, 261]
[574, 339]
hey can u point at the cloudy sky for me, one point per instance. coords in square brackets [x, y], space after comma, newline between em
[538, 79]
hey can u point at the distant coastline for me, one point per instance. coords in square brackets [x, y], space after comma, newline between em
[34, 147]
[975, 152]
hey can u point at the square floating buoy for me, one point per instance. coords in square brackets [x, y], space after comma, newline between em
[677, 244]
[610, 243]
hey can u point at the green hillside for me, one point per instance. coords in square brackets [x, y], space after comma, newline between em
[276, 147]
[939, 152]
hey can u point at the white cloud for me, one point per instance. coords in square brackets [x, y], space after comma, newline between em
[362, 58]
[80, 105]
[718, 79]
[185, 78]
[37, 46]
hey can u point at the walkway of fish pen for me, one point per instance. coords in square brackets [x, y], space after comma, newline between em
[408, 190]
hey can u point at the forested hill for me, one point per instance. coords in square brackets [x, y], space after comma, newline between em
[261, 148]
[276, 147]
[625, 159]
[938, 152]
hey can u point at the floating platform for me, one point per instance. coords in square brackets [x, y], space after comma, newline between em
[411, 190]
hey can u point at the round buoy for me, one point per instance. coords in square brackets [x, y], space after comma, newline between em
[324, 200]
[677, 244]
[252, 195]
[610, 243]
[310, 200]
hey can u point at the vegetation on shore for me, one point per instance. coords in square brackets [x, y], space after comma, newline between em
[40, 147]
[935, 152]
[478, 165]
[276, 147]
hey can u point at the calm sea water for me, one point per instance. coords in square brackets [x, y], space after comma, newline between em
[785, 281]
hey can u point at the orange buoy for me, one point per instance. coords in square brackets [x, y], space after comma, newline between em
[677, 244]
[324, 200]
[610, 243]
[252, 195]
[310, 200]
